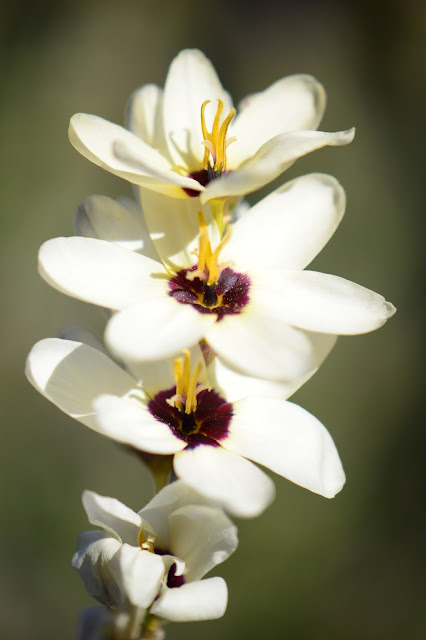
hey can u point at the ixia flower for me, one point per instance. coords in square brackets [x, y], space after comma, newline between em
[179, 141]
[155, 559]
[246, 295]
[202, 417]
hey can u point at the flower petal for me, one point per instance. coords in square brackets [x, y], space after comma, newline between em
[113, 516]
[99, 272]
[289, 440]
[145, 115]
[258, 343]
[288, 228]
[118, 221]
[72, 374]
[292, 103]
[75, 333]
[174, 496]
[322, 302]
[201, 600]
[235, 483]
[274, 157]
[120, 152]
[190, 81]
[129, 421]
[91, 560]
[173, 225]
[203, 537]
[235, 385]
[158, 328]
[139, 573]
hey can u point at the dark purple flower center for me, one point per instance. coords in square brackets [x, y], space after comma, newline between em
[208, 424]
[203, 176]
[228, 296]
[174, 581]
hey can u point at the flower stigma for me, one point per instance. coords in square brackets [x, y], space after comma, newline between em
[215, 144]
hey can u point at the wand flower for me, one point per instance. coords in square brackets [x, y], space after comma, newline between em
[200, 416]
[178, 140]
[247, 295]
[155, 559]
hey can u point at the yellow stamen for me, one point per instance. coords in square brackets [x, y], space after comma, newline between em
[186, 384]
[208, 259]
[186, 371]
[146, 543]
[191, 397]
[215, 142]
[178, 371]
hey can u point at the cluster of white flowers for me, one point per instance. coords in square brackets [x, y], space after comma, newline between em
[213, 323]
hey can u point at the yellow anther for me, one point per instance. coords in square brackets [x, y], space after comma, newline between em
[208, 259]
[213, 266]
[147, 544]
[186, 371]
[178, 371]
[186, 384]
[215, 142]
[191, 396]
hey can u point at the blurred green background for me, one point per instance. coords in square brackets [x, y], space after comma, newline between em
[346, 569]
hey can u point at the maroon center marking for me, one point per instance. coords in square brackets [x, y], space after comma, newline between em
[203, 176]
[208, 424]
[228, 296]
[174, 581]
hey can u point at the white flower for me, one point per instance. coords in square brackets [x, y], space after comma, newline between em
[249, 298]
[179, 139]
[202, 417]
[155, 559]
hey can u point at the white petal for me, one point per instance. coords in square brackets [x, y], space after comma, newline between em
[289, 440]
[113, 516]
[190, 81]
[201, 600]
[92, 561]
[122, 153]
[203, 537]
[159, 328]
[99, 272]
[322, 302]
[172, 497]
[237, 484]
[129, 421]
[72, 375]
[292, 103]
[258, 343]
[144, 115]
[75, 333]
[288, 228]
[139, 573]
[235, 385]
[274, 157]
[120, 222]
[173, 225]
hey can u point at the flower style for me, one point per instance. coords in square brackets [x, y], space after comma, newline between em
[179, 141]
[202, 416]
[154, 560]
[246, 295]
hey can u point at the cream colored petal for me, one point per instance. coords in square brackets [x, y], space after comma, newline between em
[274, 157]
[290, 104]
[72, 375]
[191, 80]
